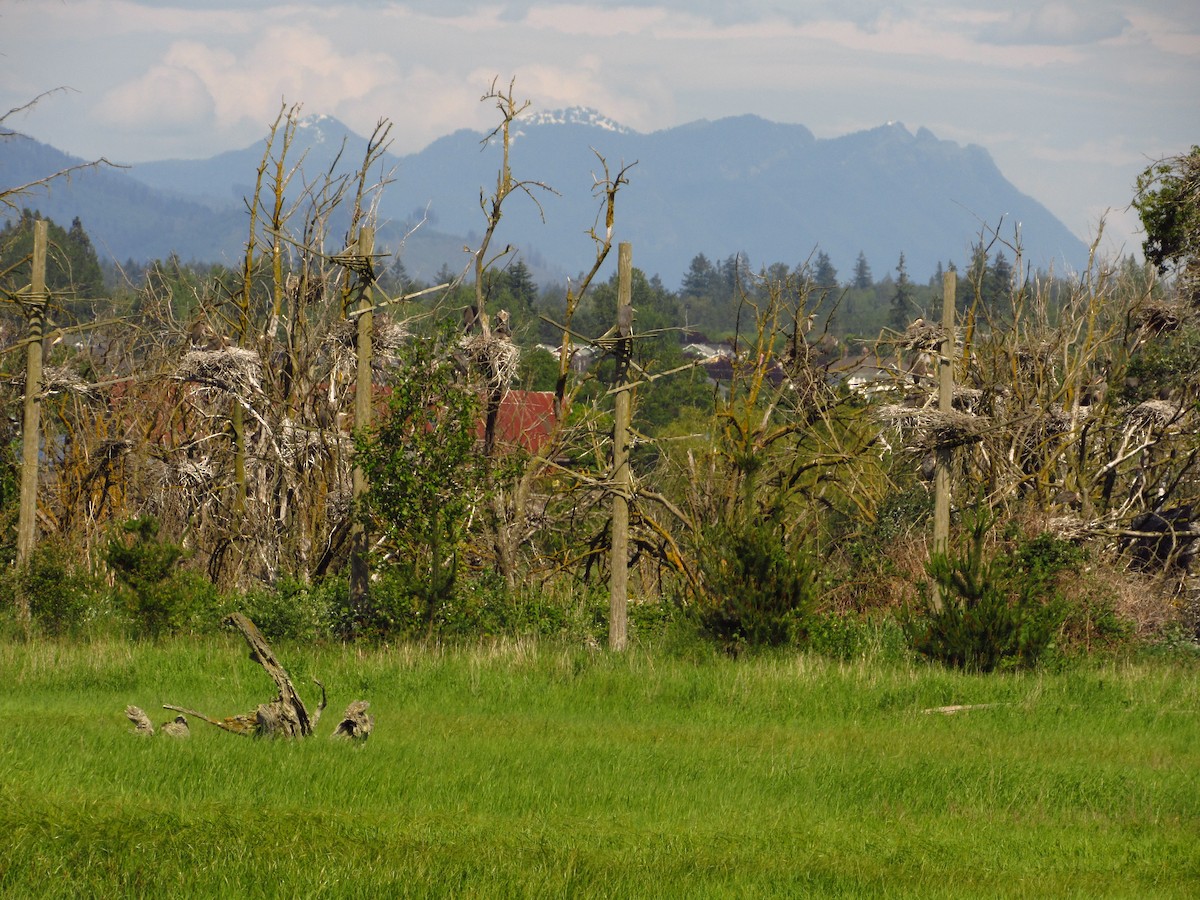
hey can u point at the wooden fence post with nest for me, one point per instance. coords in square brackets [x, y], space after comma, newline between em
[621, 476]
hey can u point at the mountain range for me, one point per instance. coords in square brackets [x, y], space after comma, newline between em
[772, 192]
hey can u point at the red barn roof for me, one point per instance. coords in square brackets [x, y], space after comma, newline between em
[525, 419]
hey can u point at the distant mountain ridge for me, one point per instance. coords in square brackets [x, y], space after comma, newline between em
[770, 191]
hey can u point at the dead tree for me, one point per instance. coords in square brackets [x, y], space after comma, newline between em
[285, 716]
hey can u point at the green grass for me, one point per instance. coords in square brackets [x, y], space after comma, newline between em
[534, 771]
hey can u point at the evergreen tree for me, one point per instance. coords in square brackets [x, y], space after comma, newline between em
[700, 279]
[862, 273]
[86, 274]
[998, 282]
[521, 288]
[902, 298]
[395, 280]
[825, 274]
[977, 280]
[939, 273]
[729, 275]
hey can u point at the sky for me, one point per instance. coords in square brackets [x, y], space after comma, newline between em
[1072, 99]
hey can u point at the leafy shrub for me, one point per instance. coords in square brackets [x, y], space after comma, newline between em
[757, 592]
[846, 637]
[995, 613]
[293, 610]
[160, 598]
[62, 594]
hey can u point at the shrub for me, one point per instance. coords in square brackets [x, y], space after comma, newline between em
[63, 595]
[994, 613]
[757, 592]
[845, 637]
[160, 598]
[293, 610]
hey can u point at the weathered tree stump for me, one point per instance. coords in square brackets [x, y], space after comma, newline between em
[285, 716]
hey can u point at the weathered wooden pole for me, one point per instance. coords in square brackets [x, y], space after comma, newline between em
[35, 309]
[942, 459]
[359, 539]
[622, 478]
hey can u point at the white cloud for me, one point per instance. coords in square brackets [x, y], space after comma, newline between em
[166, 98]
[1056, 24]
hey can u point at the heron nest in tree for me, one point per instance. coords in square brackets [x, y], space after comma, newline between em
[115, 448]
[934, 428]
[387, 337]
[1031, 358]
[1161, 317]
[61, 380]
[922, 336]
[193, 474]
[967, 399]
[232, 370]
[494, 358]
[301, 446]
[1154, 413]
[338, 505]
[1036, 435]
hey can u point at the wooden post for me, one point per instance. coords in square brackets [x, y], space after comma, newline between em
[359, 540]
[31, 424]
[622, 477]
[941, 484]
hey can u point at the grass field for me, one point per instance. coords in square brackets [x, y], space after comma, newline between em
[536, 771]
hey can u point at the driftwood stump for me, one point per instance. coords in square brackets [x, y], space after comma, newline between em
[356, 723]
[285, 716]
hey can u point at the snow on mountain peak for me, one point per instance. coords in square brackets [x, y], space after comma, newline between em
[576, 115]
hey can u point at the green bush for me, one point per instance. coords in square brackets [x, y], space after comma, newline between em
[160, 598]
[63, 595]
[757, 590]
[846, 637]
[293, 610]
[995, 612]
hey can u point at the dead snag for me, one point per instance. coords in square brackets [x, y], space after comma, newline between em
[176, 728]
[285, 716]
[141, 721]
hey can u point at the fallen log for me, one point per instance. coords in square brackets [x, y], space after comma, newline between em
[286, 716]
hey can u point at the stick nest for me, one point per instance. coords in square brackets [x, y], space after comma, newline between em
[1154, 413]
[387, 337]
[232, 370]
[192, 474]
[922, 336]
[934, 428]
[302, 447]
[494, 359]
[1068, 528]
[1161, 317]
[61, 380]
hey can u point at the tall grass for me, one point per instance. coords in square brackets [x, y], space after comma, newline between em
[521, 769]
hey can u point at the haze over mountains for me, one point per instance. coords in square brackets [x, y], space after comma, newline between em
[770, 191]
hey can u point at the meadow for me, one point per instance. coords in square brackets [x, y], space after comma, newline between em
[527, 769]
